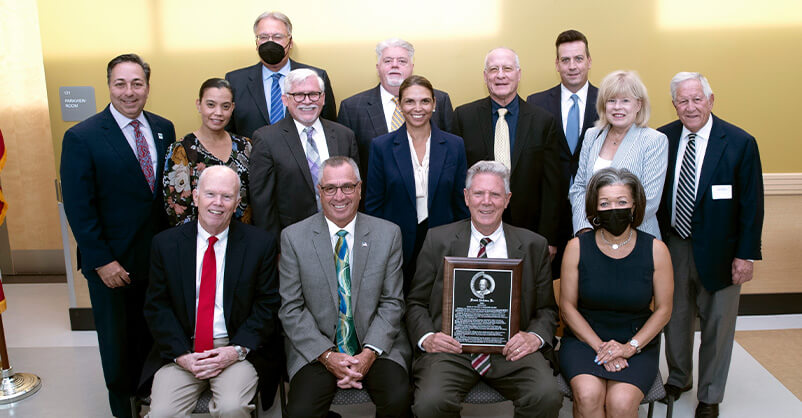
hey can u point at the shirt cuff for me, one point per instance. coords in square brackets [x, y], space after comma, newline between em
[542, 342]
[420, 342]
[374, 348]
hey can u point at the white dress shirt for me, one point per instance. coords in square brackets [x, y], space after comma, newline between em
[566, 103]
[497, 248]
[388, 106]
[702, 137]
[420, 170]
[319, 137]
[219, 323]
[128, 131]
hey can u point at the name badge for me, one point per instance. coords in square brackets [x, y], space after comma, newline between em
[722, 191]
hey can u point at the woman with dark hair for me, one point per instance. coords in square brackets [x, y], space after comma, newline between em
[610, 351]
[209, 145]
[416, 174]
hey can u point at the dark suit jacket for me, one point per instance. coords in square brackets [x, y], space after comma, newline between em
[250, 293]
[425, 300]
[550, 100]
[721, 229]
[535, 182]
[250, 112]
[364, 114]
[391, 182]
[112, 212]
[569, 163]
[282, 191]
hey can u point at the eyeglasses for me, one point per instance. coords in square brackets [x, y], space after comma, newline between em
[275, 37]
[347, 188]
[503, 69]
[299, 97]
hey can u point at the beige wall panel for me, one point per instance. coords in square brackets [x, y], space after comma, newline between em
[24, 119]
[781, 268]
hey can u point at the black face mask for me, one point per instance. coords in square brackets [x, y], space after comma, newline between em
[615, 221]
[271, 52]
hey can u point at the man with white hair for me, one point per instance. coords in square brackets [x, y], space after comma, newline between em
[711, 218]
[376, 111]
[287, 156]
[524, 137]
[258, 88]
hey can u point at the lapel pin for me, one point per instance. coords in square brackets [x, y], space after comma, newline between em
[364, 244]
[160, 136]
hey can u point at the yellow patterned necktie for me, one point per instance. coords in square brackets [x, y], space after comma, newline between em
[501, 144]
[398, 118]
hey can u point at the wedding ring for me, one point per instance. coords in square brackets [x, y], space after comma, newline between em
[610, 352]
[617, 366]
[517, 350]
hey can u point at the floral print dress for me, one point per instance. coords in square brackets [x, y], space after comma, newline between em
[181, 177]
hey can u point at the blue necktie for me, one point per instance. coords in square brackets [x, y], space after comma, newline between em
[276, 107]
[572, 124]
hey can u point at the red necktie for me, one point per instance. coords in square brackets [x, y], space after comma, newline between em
[204, 320]
[143, 155]
[481, 361]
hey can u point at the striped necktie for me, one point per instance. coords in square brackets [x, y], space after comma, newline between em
[481, 361]
[501, 143]
[313, 160]
[686, 190]
[346, 333]
[276, 106]
[398, 118]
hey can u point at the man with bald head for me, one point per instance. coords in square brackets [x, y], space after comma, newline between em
[504, 128]
[211, 304]
[375, 112]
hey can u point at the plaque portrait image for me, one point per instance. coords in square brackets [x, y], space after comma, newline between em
[481, 302]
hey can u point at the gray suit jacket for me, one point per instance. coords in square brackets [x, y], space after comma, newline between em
[281, 188]
[308, 288]
[644, 152]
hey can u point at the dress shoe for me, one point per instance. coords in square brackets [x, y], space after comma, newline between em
[706, 410]
[674, 391]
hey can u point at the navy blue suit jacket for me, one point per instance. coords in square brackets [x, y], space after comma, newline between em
[721, 229]
[250, 110]
[112, 212]
[364, 114]
[391, 182]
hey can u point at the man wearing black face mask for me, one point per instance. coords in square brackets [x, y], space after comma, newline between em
[258, 88]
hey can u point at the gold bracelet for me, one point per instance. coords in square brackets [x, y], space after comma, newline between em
[326, 359]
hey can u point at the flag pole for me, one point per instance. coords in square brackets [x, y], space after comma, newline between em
[14, 386]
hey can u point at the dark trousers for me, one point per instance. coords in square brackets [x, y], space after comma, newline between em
[409, 267]
[123, 338]
[313, 388]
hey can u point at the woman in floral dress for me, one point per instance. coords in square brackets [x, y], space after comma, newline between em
[209, 145]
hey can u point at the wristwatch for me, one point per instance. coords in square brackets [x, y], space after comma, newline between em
[634, 343]
[241, 352]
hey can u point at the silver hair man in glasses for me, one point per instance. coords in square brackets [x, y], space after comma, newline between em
[341, 302]
[287, 158]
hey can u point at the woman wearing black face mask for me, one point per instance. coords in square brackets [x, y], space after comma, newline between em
[610, 351]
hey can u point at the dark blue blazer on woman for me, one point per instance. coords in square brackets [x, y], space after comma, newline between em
[391, 182]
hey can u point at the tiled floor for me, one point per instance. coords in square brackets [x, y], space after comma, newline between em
[40, 342]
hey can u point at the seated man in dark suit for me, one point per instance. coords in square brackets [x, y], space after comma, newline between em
[211, 304]
[503, 127]
[286, 158]
[573, 104]
[258, 88]
[341, 302]
[111, 170]
[443, 374]
[375, 112]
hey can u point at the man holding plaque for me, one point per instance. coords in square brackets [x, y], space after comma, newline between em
[443, 373]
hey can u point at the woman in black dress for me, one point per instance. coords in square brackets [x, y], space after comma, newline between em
[610, 351]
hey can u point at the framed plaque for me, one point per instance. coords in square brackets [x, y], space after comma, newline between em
[481, 302]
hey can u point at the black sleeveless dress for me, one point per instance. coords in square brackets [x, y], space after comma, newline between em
[614, 298]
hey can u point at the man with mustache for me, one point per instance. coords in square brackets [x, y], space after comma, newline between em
[287, 156]
[258, 88]
[375, 112]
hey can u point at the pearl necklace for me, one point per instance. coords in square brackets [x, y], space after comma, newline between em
[615, 246]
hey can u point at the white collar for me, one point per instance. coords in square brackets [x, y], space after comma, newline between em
[565, 94]
[704, 132]
[123, 121]
[333, 228]
[495, 236]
